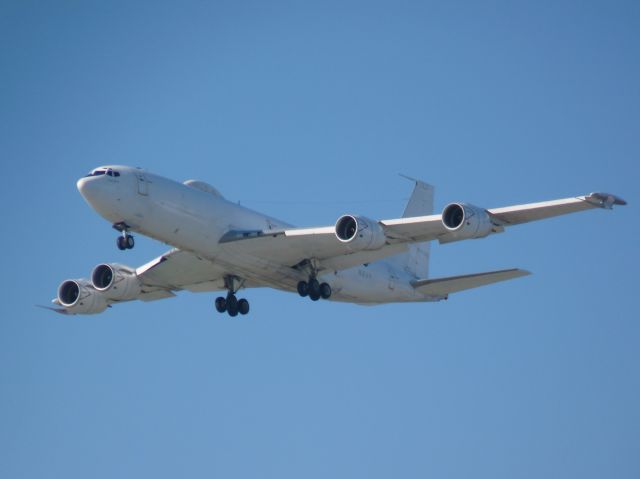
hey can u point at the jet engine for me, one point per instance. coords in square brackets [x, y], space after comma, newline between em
[360, 233]
[116, 281]
[78, 296]
[465, 221]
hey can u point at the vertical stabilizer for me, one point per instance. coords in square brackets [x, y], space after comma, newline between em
[416, 259]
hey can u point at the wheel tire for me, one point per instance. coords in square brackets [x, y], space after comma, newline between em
[243, 306]
[314, 288]
[325, 291]
[130, 242]
[303, 288]
[232, 305]
[121, 244]
[314, 296]
[221, 304]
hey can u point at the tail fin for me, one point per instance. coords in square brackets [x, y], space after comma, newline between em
[416, 259]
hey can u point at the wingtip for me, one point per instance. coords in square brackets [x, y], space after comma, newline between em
[605, 200]
[517, 272]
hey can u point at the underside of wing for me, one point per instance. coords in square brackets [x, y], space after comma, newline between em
[292, 247]
[178, 270]
[453, 284]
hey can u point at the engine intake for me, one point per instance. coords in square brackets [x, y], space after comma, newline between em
[79, 297]
[360, 233]
[116, 281]
[465, 221]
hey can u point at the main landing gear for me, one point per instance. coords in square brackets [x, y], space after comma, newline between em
[314, 289]
[231, 304]
[125, 240]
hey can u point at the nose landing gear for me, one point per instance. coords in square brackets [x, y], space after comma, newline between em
[125, 240]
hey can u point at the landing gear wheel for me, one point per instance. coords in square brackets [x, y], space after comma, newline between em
[325, 291]
[314, 286]
[121, 244]
[243, 306]
[129, 242]
[314, 290]
[232, 305]
[303, 288]
[221, 304]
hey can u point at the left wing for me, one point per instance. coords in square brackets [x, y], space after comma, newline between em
[515, 215]
[291, 247]
[427, 228]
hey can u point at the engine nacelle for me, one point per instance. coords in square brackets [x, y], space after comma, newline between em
[116, 281]
[78, 296]
[465, 221]
[360, 233]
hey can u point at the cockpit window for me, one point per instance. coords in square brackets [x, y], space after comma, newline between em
[102, 171]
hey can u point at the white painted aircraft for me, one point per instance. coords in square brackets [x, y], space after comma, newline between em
[220, 245]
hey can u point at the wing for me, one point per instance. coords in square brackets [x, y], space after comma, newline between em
[515, 215]
[428, 228]
[291, 247]
[179, 270]
[286, 249]
[173, 271]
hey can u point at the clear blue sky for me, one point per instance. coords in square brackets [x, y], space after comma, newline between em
[307, 111]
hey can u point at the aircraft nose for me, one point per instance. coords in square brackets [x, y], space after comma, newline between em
[87, 187]
[82, 185]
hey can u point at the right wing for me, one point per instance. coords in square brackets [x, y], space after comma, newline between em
[178, 270]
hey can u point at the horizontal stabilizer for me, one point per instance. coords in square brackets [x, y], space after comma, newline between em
[56, 310]
[453, 284]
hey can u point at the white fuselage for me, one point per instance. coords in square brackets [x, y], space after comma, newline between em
[194, 218]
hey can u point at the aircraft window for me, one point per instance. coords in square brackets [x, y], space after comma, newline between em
[108, 172]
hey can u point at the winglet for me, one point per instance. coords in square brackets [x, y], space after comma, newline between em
[605, 200]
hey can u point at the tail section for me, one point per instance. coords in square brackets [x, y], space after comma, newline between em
[416, 259]
[442, 287]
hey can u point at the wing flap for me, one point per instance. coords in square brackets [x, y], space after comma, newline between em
[453, 284]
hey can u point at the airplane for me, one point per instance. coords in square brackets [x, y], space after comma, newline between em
[219, 245]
